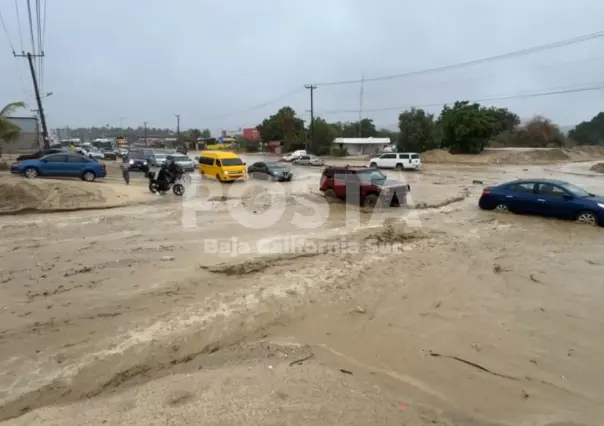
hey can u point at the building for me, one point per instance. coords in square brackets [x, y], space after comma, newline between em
[29, 140]
[251, 133]
[362, 146]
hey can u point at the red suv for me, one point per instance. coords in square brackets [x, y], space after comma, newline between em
[365, 186]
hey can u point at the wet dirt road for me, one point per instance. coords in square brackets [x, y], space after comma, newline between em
[439, 314]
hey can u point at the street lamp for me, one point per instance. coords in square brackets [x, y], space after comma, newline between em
[47, 95]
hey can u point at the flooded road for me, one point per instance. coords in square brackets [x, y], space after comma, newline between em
[214, 307]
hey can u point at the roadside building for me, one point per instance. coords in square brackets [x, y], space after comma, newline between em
[362, 146]
[29, 140]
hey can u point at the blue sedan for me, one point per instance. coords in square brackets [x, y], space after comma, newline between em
[66, 164]
[545, 197]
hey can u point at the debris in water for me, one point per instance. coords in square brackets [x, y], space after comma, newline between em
[345, 371]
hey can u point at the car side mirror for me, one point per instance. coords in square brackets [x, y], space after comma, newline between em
[244, 163]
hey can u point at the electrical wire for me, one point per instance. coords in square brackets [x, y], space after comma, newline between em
[498, 98]
[10, 42]
[262, 105]
[40, 47]
[19, 24]
[509, 55]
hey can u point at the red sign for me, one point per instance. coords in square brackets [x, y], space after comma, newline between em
[251, 133]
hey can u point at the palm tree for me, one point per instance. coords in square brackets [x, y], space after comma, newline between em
[9, 132]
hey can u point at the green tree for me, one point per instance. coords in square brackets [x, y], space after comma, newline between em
[9, 132]
[205, 133]
[466, 128]
[324, 134]
[193, 134]
[284, 126]
[505, 120]
[353, 129]
[589, 132]
[417, 131]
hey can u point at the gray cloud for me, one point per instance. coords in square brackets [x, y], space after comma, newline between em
[209, 60]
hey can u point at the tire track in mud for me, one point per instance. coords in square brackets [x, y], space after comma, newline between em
[199, 330]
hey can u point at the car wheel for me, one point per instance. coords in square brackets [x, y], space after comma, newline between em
[399, 167]
[371, 201]
[30, 173]
[502, 208]
[587, 218]
[373, 164]
[330, 195]
[89, 177]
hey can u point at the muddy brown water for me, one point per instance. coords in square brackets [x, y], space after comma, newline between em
[441, 314]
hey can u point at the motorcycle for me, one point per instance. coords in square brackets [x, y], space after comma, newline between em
[177, 187]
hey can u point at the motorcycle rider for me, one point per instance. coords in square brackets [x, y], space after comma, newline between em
[164, 178]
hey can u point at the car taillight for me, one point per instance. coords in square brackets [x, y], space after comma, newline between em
[486, 192]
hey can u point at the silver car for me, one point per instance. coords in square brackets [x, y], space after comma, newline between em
[309, 160]
[183, 161]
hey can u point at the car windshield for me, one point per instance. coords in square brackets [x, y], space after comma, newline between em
[181, 158]
[231, 161]
[274, 166]
[576, 191]
[136, 154]
[162, 156]
[371, 176]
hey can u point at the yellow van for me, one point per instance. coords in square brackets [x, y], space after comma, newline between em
[222, 165]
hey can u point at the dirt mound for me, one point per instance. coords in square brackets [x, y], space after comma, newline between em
[391, 234]
[531, 156]
[22, 196]
[598, 168]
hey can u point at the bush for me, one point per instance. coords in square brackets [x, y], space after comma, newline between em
[249, 145]
[339, 152]
[537, 133]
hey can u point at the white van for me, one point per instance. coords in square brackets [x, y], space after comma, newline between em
[397, 160]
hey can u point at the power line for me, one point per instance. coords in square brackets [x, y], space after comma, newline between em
[19, 24]
[499, 98]
[39, 35]
[10, 43]
[522, 52]
[262, 105]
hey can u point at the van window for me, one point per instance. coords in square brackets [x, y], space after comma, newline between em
[218, 163]
[231, 162]
[415, 156]
[328, 173]
[206, 161]
[404, 156]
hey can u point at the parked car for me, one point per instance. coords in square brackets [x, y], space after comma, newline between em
[157, 159]
[368, 187]
[183, 161]
[397, 160]
[294, 155]
[545, 197]
[96, 153]
[40, 154]
[269, 171]
[64, 164]
[123, 152]
[309, 160]
[137, 160]
[109, 154]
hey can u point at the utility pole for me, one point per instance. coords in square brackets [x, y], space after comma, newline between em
[177, 129]
[30, 59]
[37, 126]
[312, 88]
[145, 127]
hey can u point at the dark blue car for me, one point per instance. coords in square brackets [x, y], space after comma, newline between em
[66, 164]
[545, 197]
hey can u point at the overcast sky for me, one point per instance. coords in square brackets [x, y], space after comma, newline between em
[214, 61]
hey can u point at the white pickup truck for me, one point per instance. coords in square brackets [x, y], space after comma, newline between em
[294, 155]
